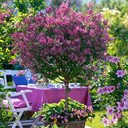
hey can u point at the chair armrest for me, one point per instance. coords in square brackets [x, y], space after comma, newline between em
[19, 93]
[22, 92]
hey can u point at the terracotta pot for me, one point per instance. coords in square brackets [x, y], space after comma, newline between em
[74, 124]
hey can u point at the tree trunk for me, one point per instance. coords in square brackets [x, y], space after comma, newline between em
[66, 94]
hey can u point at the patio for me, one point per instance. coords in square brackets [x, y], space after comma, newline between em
[63, 63]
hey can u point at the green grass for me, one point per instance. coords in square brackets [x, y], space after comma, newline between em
[96, 123]
[10, 83]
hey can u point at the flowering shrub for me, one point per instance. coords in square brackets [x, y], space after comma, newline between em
[20, 73]
[61, 44]
[114, 95]
[117, 19]
[35, 78]
[5, 115]
[57, 113]
[5, 39]
[26, 5]
[39, 80]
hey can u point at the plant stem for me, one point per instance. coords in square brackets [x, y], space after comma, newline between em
[121, 120]
[66, 94]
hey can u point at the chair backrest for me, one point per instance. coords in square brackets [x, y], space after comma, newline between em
[5, 73]
[2, 81]
[22, 92]
[21, 80]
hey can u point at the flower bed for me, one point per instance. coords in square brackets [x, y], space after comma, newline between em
[57, 113]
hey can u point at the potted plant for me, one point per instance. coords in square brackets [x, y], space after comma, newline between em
[75, 116]
[62, 45]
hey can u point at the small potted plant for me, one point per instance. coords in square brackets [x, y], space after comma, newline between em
[75, 116]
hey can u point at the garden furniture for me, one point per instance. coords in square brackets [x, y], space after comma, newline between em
[2, 81]
[18, 105]
[6, 73]
[53, 95]
[21, 80]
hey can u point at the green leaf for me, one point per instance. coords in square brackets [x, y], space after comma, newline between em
[54, 126]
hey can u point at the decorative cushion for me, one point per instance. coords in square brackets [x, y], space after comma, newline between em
[21, 80]
[18, 103]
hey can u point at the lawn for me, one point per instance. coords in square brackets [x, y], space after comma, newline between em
[96, 123]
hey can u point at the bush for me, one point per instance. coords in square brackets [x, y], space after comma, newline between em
[5, 115]
[57, 113]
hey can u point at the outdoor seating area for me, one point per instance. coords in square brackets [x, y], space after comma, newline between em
[31, 98]
[64, 63]
[18, 106]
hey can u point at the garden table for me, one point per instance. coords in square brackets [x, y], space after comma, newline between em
[53, 95]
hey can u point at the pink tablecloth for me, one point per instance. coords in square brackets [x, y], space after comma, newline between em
[46, 95]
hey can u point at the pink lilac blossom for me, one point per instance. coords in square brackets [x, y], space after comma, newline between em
[20, 73]
[14, 61]
[4, 15]
[34, 78]
[110, 110]
[4, 5]
[105, 22]
[48, 10]
[120, 73]
[90, 4]
[67, 34]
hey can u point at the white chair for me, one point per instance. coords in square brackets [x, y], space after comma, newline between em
[2, 81]
[18, 106]
[5, 73]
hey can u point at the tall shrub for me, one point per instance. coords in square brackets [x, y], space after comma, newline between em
[5, 39]
[61, 45]
[113, 92]
[5, 114]
[117, 18]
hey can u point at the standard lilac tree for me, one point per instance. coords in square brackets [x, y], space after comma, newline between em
[61, 45]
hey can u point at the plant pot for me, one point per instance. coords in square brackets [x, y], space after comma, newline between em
[74, 124]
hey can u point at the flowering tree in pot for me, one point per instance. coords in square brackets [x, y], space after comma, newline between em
[61, 45]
